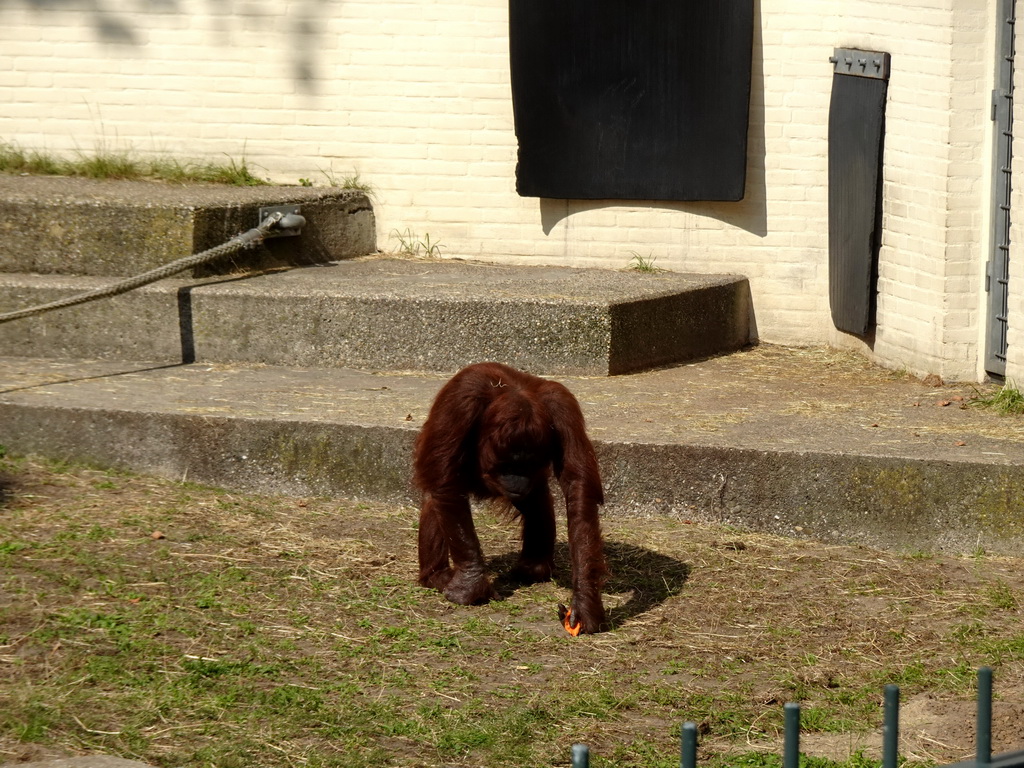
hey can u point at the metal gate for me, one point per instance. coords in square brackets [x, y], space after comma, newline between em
[998, 268]
[890, 735]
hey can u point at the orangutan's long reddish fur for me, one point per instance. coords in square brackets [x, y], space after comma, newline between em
[496, 432]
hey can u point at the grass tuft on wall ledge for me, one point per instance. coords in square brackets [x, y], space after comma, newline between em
[125, 164]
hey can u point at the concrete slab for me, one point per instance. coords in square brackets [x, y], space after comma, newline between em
[69, 226]
[799, 442]
[393, 314]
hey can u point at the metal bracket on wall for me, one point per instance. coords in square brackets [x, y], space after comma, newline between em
[291, 223]
[849, 61]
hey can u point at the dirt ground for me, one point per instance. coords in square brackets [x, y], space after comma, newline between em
[713, 624]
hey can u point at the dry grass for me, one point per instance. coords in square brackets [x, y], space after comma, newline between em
[188, 626]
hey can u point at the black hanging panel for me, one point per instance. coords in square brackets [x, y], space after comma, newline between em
[856, 126]
[631, 100]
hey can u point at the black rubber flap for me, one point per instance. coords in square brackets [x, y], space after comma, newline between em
[856, 126]
[632, 100]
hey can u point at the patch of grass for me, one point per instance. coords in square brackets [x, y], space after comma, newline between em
[30, 722]
[10, 547]
[351, 181]
[901, 374]
[411, 246]
[13, 159]
[1000, 596]
[232, 172]
[106, 163]
[639, 263]
[822, 719]
[770, 760]
[1007, 400]
[919, 554]
[355, 182]
[125, 164]
[991, 648]
[282, 631]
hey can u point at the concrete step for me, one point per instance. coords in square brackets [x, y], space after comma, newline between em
[392, 314]
[69, 226]
[798, 442]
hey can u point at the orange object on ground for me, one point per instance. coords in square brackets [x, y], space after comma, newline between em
[566, 614]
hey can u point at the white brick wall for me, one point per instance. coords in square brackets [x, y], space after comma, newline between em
[415, 98]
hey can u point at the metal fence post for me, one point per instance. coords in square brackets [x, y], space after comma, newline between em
[984, 726]
[891, 727]
[688, 746]
[890, 735]
[791, 742]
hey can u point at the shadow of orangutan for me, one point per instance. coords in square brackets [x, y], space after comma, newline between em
[649, 577]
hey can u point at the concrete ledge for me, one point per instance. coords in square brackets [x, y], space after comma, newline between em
[84, 227]
[392, 314]
[893, 468]
[879, 501]
[882, 501]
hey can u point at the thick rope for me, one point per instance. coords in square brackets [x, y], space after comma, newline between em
[245, 240]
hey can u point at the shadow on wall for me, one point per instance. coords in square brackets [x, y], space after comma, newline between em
[302, 26]
[750, 213]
